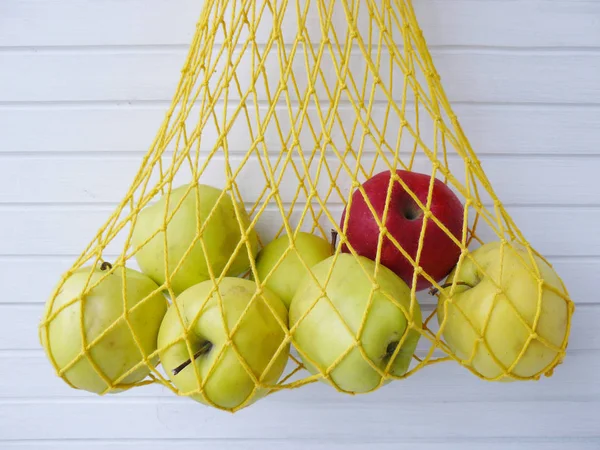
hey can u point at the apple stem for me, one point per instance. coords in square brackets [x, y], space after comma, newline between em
[202, 351]
[334, 238]
[105, 266]
[390, 349]
[435, 291]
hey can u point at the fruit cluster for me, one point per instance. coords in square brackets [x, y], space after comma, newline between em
[223, 319]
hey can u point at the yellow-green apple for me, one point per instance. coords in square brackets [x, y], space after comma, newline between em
[282, 267]
[209, 315]
[97, 309]
[480, 318]
[325, 328]
[214, 214]
[404, 222]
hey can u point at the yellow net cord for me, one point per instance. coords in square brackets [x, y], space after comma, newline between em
[288, 106]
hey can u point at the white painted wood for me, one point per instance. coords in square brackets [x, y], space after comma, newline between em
[43, 179]
[38, 23]
[122, 127]
[474, 75]
[19, 324]
[67, 229]
[84, 85]
[301, 444]
[183, 418]
[447, 381]
[576, 273]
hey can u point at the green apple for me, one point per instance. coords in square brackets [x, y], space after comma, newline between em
[209, 316]
[116, 353]
[323, 336]
[284, 279]
[482, 328]
[221, 235]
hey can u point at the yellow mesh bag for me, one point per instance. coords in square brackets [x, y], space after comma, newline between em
[284, 111]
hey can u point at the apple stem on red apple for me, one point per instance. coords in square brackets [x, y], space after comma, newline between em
[435, 291]
[202, 351]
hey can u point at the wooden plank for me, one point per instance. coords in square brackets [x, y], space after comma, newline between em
[89, 76]
[301, 444]
[19, 330]
[480, 75]
[67, 230]
[75, 179]
[529, 77]
[577, 274]
[188, 420]
[574, 380]
[47, 273]
[171, 22]
[509, 129]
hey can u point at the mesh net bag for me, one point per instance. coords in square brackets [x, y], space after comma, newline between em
[310, 210]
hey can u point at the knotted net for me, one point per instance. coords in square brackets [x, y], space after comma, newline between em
[284, 108]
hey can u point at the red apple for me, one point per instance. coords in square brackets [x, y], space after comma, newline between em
[404, 222]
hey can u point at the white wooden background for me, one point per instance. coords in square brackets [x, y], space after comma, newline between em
[83, 87]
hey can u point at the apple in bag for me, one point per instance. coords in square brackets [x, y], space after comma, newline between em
[404, 223]
[209, 314]
[207, 210]
[326, 317]
[280, 266]
[490, 320]
[97, 304]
